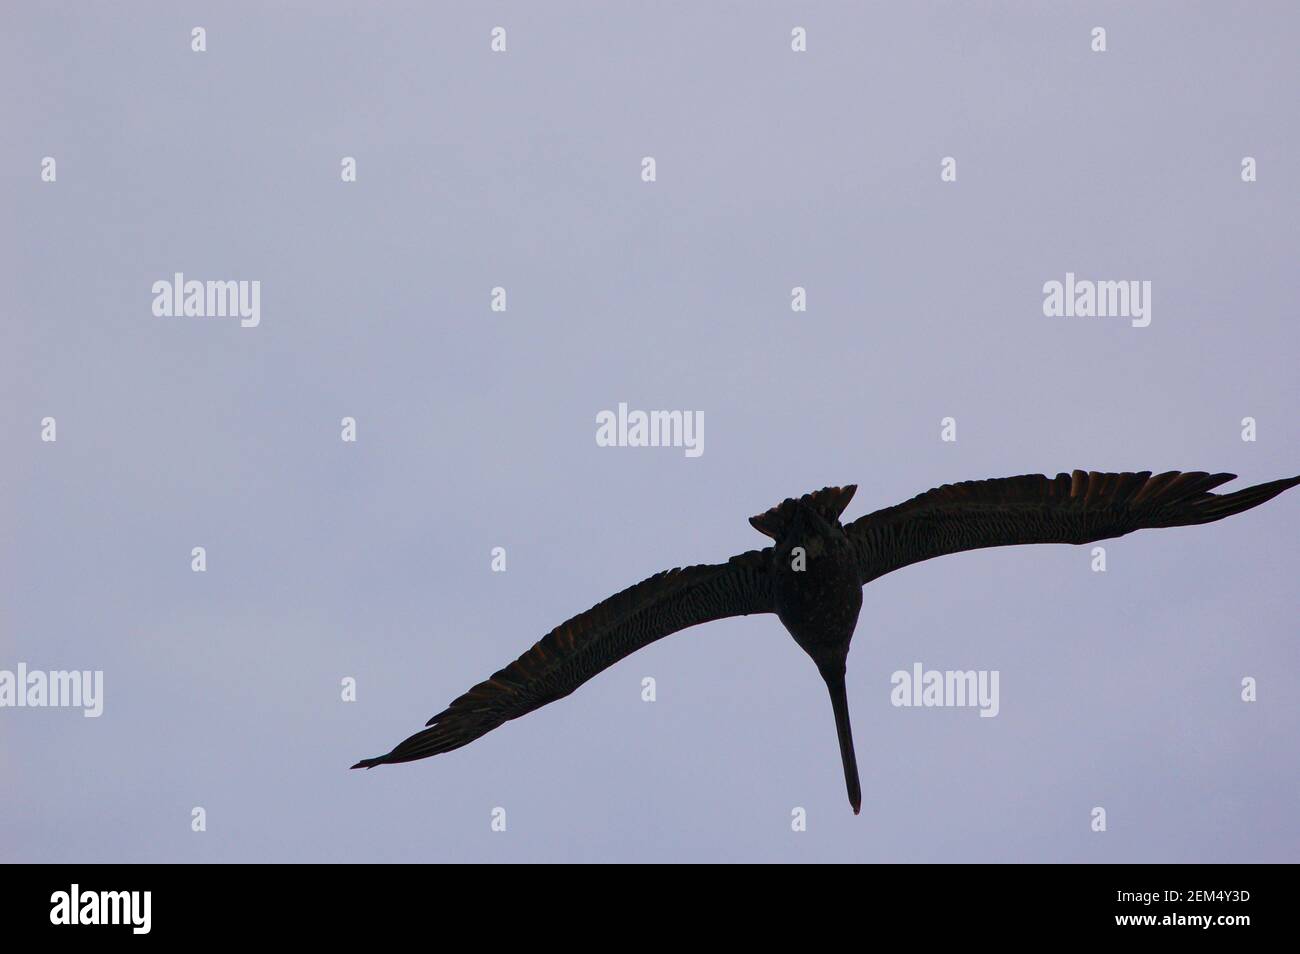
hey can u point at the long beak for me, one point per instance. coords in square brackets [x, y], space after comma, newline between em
[840, 702]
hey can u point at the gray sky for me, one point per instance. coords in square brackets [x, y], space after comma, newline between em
[476, 429]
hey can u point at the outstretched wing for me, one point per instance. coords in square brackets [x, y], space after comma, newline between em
[1074, 508]
[575, 651]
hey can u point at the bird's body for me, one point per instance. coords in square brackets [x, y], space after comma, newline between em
[816, 584]
[812, 575]
[817, 595]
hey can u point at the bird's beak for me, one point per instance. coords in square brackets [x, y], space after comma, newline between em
[840, 703]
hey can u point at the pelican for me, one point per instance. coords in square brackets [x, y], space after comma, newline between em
[812, 576]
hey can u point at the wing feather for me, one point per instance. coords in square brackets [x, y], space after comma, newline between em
[581, 647]
[1081, 507]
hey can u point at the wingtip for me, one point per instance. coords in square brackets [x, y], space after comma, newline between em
[368, 763]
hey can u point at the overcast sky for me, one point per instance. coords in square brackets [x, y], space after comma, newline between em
[371, 560]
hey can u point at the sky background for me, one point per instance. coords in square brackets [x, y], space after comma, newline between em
[476, 429]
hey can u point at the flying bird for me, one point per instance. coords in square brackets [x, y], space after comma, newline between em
[812, 576]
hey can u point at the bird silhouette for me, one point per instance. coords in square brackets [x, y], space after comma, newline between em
[812, 576]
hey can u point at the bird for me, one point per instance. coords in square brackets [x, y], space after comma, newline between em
[811, 576]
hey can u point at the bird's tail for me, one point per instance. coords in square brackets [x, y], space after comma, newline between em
[840, 703]
[829, 502]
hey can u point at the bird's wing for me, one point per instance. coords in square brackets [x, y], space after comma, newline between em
[575, 651]
[1072, 508]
